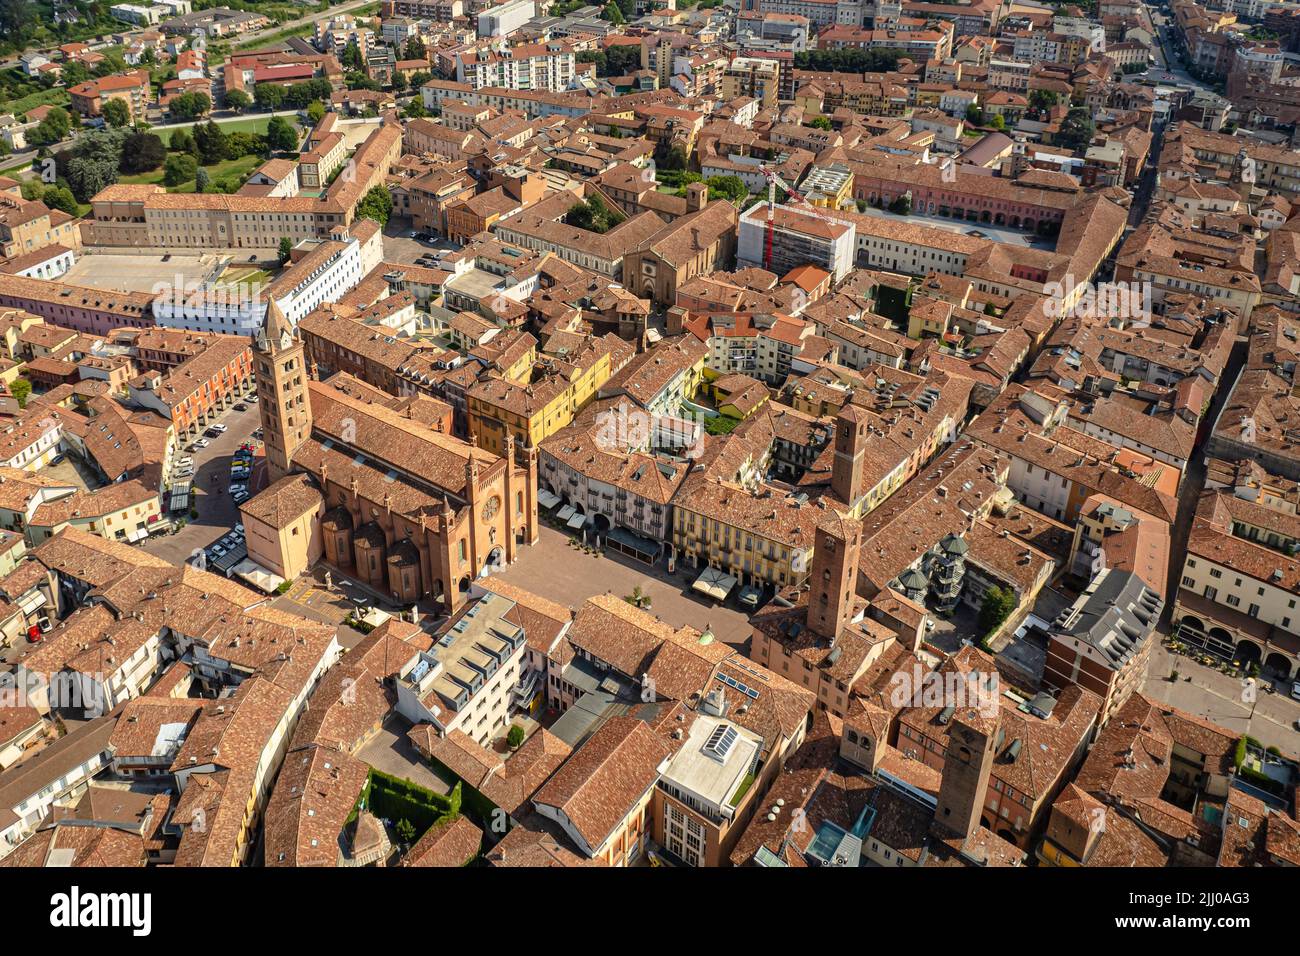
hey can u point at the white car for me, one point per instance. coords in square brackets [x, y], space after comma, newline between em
[219, 428]
[201, 443]
[1295, 690]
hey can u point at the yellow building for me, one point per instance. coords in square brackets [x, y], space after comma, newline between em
[535, 407]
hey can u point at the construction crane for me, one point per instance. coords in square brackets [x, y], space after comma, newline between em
[792, 196]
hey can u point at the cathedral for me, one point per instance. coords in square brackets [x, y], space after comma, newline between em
[392, 501]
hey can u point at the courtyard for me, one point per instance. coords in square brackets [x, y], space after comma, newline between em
[1003, 234]
[140, 273]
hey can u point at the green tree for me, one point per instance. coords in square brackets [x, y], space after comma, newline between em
[974, 115]
[622, 59]
[821, 122]
[1077, 130]
[415, 49]
[730, 188]
[60, 197]
[1042, 99]
[190, 106]
[613, 14]
[286, 249]
[87, 175]
[377, 205]
[997, 122]
[238, 101]
[142, 152]
[201, 180]
[352, 59]
[405, 830]
[179, 168]
[315, 112]
[211, 142]
[415, 109]
[52, 129]
[902, 205]
[182, 141]
[116, 113]
[21, 390]
[280, 135]
[268, 96]
[515, 737]
[19, 20]
[997, 607]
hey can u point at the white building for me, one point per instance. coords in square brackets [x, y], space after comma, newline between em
[467, 681]
[329, 270]
[503, 20]
[799, 238]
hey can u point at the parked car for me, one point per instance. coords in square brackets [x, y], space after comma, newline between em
[58, 459]
[200, 443]
[239, 497]
[240, 407]
[219, 428]
[1295, 690]
[34, 635]
[44, 624]
[252, 399]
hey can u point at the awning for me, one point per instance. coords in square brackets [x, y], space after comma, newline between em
[714, 583]
[31, 602]
[139, 534]
[629, 542]
[547, 499]
[257, 576]
[565, 513]
[577, 520]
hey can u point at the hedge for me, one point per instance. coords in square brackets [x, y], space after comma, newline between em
[398, 799]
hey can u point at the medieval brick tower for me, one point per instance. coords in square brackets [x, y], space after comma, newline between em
[966, 766]
[834, 575]
[283, 402]
[850, 452]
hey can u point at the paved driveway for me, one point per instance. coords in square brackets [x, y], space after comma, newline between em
[568, 576]
[391, 753]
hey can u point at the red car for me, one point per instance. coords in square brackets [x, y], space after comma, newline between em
[34, 635]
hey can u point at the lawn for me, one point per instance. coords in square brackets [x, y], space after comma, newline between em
[242, 168]
[245, 124]
[248, 275]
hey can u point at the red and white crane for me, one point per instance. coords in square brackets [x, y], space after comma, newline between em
[792, 196]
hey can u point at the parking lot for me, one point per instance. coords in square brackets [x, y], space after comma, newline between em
[217, 512]
[401, 246]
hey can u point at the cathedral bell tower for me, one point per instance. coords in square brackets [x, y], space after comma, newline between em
[283, 403]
